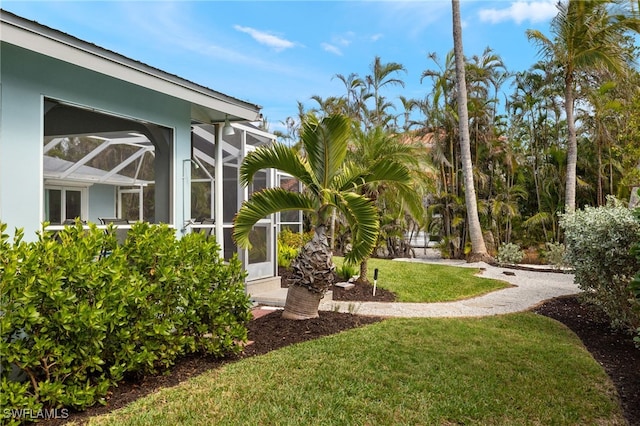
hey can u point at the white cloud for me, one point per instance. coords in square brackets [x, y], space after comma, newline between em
[343, 41]
[376, 37]
[520, 11]
[266, 38]
[331, 49]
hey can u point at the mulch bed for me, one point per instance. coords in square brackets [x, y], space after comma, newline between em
[614, 350]
[362, 292]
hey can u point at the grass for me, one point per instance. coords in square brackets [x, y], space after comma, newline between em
[422, 282]
[518, 369]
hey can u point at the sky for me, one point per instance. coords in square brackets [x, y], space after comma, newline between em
[277, 53]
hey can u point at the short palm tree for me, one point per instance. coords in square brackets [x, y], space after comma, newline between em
[330, 182]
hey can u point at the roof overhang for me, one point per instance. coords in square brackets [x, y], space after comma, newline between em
[207, 105]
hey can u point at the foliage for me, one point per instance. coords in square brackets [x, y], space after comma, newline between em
[347, 271]
[81, 312]
[510, 253]
[555, 254]
[286, 254]
[329, 181]
[294, 239]
[289, 245]
[599, 242]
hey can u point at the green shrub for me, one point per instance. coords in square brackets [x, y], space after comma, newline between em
[347, 270]
[554, 255]
[599, 242]
[286, 254]
[294, 239]
[509, 253]
[75, 321]
[289, 245]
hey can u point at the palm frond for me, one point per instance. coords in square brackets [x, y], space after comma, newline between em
[362, 217]
[389, 171]
[262, 204]
[277, 156]
[325, 142]
[539, 219]
[352, 176]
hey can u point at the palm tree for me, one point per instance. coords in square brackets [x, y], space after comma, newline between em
[355, 86]
[586, 37]
[330, 182]
[478, 248]
[381, 76]
[373, 148]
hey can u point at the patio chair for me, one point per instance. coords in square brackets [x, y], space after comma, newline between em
[206, 231]
[121, 234]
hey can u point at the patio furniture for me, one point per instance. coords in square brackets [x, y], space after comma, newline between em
[207, 229]
[121, 233]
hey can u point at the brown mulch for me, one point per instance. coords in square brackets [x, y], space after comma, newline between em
[615, 351]
[362, 292]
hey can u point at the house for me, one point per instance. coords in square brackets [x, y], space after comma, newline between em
[88, 133]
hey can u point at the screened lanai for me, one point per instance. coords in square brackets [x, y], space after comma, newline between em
[91, 134]
[260, 260]
[99, 175]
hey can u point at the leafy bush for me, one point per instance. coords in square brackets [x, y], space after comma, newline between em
[347, 270]
[76, 321]
[286, 254]
[554, 255]
[509, 253]
[294, 239]
[599, 242]
[289, 245]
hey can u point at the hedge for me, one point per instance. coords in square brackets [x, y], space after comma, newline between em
[598, 245]
[79, 312]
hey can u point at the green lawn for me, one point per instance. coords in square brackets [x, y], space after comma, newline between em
[518, 369]
[422, 282]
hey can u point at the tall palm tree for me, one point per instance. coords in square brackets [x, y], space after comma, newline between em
[355, 88]
[381, 76]
[586, 36]
[478, 248]
[330, 182]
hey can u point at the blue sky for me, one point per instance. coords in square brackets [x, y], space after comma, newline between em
[277, 53]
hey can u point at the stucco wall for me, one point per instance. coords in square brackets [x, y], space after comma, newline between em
[26, 79]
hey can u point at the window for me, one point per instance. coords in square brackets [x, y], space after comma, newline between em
[64, 203]
[290, 219]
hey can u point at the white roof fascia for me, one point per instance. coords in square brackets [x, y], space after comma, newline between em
[254, 131]
[46, 41]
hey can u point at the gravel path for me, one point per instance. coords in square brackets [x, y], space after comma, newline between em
[530, 288]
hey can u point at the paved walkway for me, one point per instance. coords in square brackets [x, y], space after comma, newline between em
[530, 289]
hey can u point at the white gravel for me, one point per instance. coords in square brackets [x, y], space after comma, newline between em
[530, 288]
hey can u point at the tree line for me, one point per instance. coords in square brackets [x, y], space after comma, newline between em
[543, 141]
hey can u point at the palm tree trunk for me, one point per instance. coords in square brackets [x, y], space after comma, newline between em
[600, 178]
[478, 248]
[364, 270]
[572, 148]
[313, 276]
